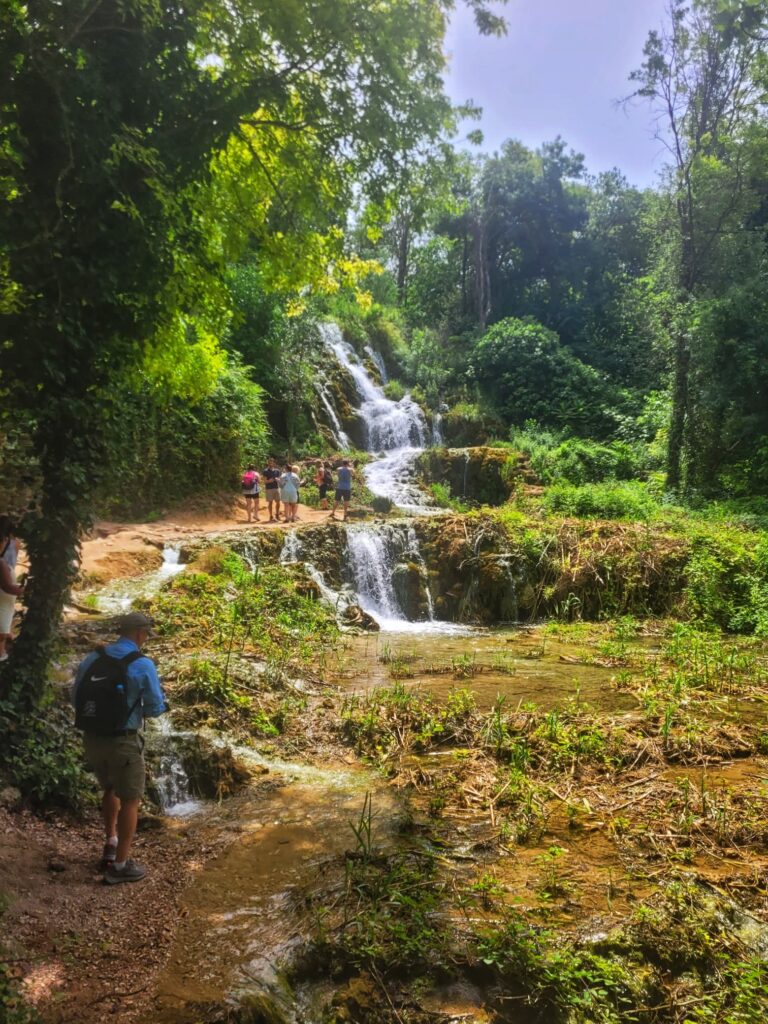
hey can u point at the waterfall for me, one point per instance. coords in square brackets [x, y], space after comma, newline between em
[118, 596]
[415, 552]
[437, 429]
[398, 430]
[371, 564]
[339, 436]
[172, 565]
[293, 552]
[377, 359]
[170, 780]
[374, 556]
[291, 548]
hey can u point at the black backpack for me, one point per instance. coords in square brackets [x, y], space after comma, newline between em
[101, 699]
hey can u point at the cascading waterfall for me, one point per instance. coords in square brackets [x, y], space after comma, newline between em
[377, 359]
[340, 437]
[293, 552]
[383, 559]
[374, 556]
[397, 430]
[170, 780]
[414, 552]
[119, 596]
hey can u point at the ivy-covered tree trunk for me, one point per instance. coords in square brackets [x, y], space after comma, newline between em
[70, 451]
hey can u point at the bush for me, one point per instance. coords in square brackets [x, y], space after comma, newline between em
[394, 390]
[166, 449]
[579, 461]
[467, 424]
[42, 756]
[528, 374]
[626, 500]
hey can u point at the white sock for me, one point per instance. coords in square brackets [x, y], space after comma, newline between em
[119, 865]
[112, 841]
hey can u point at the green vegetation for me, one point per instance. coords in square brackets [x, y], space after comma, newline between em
[188, 193]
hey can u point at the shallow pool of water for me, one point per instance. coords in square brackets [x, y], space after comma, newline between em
[520, 665]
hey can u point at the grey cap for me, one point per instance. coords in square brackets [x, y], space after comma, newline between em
[134, 620]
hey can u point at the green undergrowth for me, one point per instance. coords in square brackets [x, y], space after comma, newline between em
[405, 925]
[271, 611]
[237, 637]
[712, 572]
[42, 756]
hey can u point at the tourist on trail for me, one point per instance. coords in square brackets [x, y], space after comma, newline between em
[116, 688]
[344, 475]
[324, 481]
[272, 488]
[251, 484]
[319, 481]
[9, 588]
[289, 490]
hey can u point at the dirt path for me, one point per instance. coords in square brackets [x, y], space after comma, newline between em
[117, 550]
[89, 949]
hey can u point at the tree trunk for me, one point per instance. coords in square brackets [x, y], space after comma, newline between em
[403, 253]
[70, 467]
[679, 409]
[482, 277]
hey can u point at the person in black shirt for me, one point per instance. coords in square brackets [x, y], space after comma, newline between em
[271, 477]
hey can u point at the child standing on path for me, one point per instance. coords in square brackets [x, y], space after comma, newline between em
[344, 475]
[251, 488]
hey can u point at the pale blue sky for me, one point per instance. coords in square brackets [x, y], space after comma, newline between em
[558, 71]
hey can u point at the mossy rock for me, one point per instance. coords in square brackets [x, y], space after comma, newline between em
[213, 770]
[357, 1001]
[410, 588]
[479, 475]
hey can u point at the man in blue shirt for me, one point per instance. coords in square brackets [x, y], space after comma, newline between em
[117, 759]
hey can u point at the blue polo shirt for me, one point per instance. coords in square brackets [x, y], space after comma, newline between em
[143, 686]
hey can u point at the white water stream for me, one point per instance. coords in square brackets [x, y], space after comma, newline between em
[119, 596]
[396, 431]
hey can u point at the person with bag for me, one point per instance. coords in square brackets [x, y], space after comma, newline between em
[116, 688]
[251, 483]
[9, 588]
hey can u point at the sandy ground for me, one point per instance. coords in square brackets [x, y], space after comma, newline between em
[115, 550]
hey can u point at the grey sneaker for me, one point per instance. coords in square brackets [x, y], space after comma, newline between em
[132, 872]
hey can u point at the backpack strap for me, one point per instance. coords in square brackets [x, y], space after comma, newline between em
[126, 661]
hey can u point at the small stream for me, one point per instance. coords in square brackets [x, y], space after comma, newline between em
[240, 916]
[119, 595]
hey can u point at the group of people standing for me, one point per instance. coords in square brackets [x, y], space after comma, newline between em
[281, 486]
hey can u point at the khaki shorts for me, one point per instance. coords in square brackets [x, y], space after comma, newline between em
[118, 763]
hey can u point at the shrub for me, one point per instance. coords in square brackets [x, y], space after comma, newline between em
[625, 500]
[42, 756]
[579, 461]
[466, 423]
[394, 390]
[528, 374]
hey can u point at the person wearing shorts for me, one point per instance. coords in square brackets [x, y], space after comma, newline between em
[251, 484]
[324, 481]
[9, 588]
[271, 477]
[343, 493]
[117, 760]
